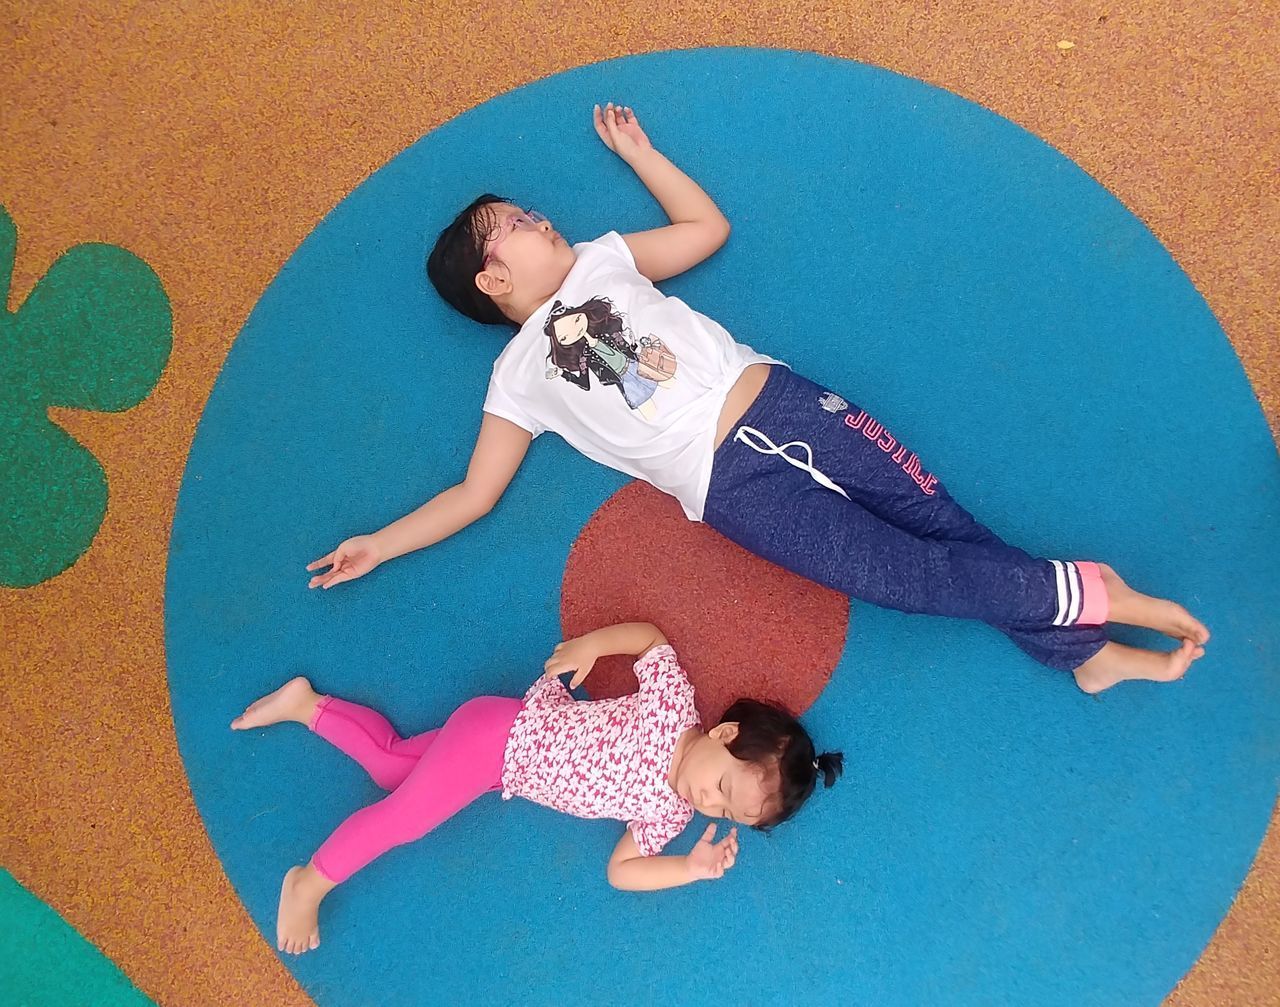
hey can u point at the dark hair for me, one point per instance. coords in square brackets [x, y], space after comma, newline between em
[770, 737]
[458, 257]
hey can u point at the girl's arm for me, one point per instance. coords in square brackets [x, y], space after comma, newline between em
[500, 448]
[631, 871]
[581, 653]
[697, 227]
[633, 638]
[680, 196]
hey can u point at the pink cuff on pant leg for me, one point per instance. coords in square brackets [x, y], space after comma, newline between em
[315, 719]
[1096, 605]
[315, 862]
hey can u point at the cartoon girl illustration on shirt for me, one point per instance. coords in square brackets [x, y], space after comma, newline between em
[591, 339]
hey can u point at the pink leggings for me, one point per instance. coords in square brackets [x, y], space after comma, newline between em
[431, 776]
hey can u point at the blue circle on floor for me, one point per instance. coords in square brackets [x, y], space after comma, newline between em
[999, 837]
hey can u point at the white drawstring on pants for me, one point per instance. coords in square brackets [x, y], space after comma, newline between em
[745, 434]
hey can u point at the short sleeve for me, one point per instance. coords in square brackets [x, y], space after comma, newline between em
[652, 836]
[614, 243]
[547, 692]
[658, 670]
[500, 403]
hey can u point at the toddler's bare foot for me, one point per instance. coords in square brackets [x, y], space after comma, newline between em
[295, 700]
[297, 922]
[1117, 663]
[1136, 609]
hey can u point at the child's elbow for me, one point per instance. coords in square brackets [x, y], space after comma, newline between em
[656, 637]
[480, 499]
[620, 876]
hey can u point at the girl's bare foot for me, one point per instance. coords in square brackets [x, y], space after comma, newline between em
[295, 700]
[298, 920]
[1136, 609]
[1117, 663]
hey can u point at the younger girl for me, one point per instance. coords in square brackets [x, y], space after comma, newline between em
[786, 468]
[641, 758]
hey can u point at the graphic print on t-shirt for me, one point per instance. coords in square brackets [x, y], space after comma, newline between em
[593, 338]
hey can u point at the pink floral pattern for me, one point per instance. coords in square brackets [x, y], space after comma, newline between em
[607, 758]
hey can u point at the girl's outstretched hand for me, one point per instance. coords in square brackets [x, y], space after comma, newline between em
[354, 558]
[572, 655]
[618, 127]
[709, 860]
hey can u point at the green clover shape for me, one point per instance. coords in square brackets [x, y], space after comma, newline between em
[95, 333]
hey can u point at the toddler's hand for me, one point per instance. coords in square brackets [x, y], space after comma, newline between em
[618, 127]
[572, 655]
[708, 860]
[354, 558]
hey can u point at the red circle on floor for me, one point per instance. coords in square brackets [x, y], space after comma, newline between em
[741, 625]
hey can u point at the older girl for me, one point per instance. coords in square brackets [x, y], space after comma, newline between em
[784, 467]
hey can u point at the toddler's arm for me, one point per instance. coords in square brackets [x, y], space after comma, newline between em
[500, 448]
[633, 638]
[580, 654]
[631, 871]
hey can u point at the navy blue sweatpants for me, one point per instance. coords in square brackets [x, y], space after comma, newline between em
[811, 482]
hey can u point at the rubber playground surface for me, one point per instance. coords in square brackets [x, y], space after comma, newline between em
[1036, 241]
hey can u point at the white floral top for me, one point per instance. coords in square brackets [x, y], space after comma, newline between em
[607, 758]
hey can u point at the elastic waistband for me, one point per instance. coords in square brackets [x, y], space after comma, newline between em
[774, 388]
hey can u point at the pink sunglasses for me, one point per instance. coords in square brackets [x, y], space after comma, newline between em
[526, 221]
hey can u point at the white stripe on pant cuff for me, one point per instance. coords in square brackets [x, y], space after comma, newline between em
[1077, 600]
[1060, 575]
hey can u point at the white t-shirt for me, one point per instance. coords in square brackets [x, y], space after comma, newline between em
[630, 377]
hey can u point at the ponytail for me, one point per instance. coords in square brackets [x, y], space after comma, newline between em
[829, 765]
